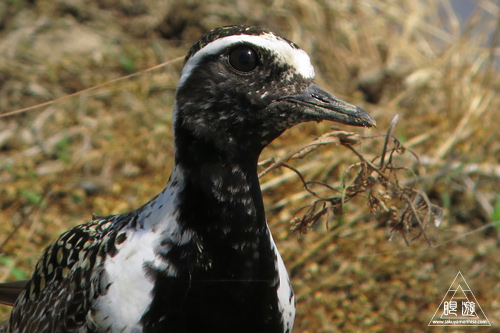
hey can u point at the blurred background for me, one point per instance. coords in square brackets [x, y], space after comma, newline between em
[109, 150]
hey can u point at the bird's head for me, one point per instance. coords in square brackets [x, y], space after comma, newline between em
[245, 85]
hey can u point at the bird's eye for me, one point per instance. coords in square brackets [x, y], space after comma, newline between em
[243, 58]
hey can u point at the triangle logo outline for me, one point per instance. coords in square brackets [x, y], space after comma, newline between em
[471, 314]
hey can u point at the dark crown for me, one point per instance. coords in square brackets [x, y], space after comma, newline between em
[229, 30]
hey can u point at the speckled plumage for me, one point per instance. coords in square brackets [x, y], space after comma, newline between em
[67, 278]
[199, 256]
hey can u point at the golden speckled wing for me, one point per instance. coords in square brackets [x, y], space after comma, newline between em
[66, 280]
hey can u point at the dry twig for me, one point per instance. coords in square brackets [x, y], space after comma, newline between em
[406, 210]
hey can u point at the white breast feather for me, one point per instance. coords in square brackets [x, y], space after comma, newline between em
[285, 304]
[130, 293]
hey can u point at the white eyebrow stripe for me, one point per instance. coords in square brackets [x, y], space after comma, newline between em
[296, 58]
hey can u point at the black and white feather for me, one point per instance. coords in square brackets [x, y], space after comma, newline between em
[199, 257]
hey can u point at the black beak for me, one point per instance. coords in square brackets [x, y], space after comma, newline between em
[320, 105]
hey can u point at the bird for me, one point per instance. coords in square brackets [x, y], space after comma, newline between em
[199, 256]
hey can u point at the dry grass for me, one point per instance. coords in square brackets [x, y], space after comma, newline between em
[110, 149]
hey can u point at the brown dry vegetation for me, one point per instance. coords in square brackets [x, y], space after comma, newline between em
[109, 150]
